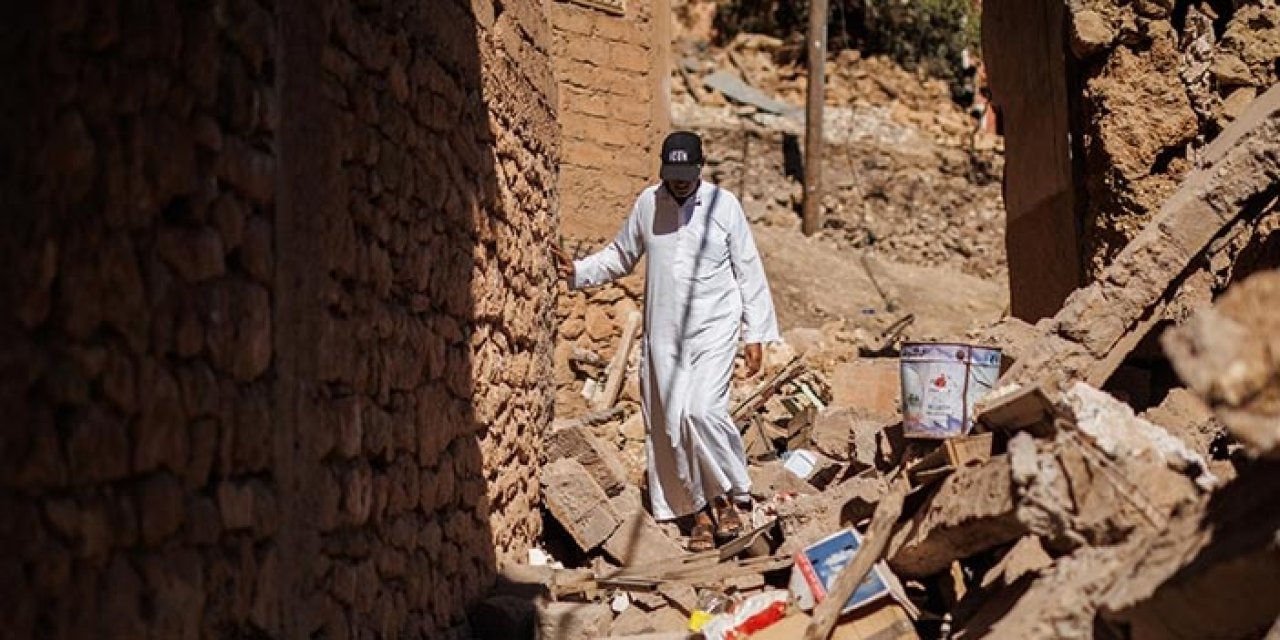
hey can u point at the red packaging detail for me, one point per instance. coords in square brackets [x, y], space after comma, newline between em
[759, 621]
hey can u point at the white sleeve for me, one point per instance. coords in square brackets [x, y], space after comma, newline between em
[617, 259]
[760, 324]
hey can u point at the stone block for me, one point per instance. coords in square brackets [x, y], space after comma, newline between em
[971, 511]
[639, 541]
[600, 459]
[196, 254]
[573, 620]
[162, 508]
[235, 504]
[578, 503]
[873, 385]
[238, 323]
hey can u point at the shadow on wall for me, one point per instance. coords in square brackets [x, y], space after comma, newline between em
[272, 355]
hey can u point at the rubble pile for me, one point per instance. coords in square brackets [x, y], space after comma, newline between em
[908, 176]
[1057, 511]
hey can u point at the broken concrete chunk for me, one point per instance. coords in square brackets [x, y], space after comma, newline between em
[600, 458]
[1061, 603]
[768, 479]
[578, 503]
[633, 621]
[972, 510]
[1027, 556]
[573, 620]
[1230, 356]
[639, 540]
[1114, 428]
[1213, 572]
[871, 384]
[849, 434]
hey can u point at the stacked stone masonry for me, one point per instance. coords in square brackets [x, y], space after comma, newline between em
[1107, 107]
[612, 119]
[276, 354]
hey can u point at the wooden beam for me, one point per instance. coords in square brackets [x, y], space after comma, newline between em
[618, 367]
[852, 575]
[813, 117]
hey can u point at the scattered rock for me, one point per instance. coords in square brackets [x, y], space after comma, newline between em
[1090, 33]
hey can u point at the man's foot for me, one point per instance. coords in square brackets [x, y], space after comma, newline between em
[700, 536]
[728, 522]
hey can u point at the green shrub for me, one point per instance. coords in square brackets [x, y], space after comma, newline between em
[918, 34]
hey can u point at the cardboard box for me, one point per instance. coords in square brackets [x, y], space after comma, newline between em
[818, 565]
[886, 620]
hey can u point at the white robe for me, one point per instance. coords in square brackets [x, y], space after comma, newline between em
[704, 284]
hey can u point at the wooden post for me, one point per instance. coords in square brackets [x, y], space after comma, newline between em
[874, 545]
[813, 117]
[618, 368]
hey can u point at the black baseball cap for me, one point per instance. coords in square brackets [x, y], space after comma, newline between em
[681, 156]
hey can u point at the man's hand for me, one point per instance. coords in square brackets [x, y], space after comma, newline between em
[564, 264]
[754, 355]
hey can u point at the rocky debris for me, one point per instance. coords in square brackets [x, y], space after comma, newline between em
[578, 503]
[1230, 355]
[971, 511]
[907, 178]
[1104, 321]
[1066, 512]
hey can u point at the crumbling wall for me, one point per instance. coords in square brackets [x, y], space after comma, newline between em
[1159, 81]
[1156, 82]
[612, 70]
[275, 351]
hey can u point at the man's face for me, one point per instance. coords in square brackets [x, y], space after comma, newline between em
[682, 188]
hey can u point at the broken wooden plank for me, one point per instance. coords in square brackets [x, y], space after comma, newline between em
[618, 366]
[1028, 407]
[963, 451]
[873, 548]
[765, 389]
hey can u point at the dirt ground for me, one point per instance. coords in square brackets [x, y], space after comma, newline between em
[913, 221]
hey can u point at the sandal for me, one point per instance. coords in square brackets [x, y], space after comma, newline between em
[728, 522]
[701, 538]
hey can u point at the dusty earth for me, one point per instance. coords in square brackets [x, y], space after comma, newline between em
[913, 221]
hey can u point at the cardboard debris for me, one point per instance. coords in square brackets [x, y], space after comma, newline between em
[885, 621]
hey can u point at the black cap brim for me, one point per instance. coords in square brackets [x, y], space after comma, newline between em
[680, 172]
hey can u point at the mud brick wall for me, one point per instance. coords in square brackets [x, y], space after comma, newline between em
[275, 357]
[614, 100]
[1139, 89]
[1160, 80]
[593, 321]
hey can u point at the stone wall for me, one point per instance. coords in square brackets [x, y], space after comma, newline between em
[1142, 88]
[612, 73]
[1158, 85]
[276, 357]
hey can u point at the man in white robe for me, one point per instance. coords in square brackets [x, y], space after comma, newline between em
[705, 288]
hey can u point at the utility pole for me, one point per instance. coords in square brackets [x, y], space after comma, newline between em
[813, 117]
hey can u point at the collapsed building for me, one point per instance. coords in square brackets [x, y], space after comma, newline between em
[274, 320]
[281, 357]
